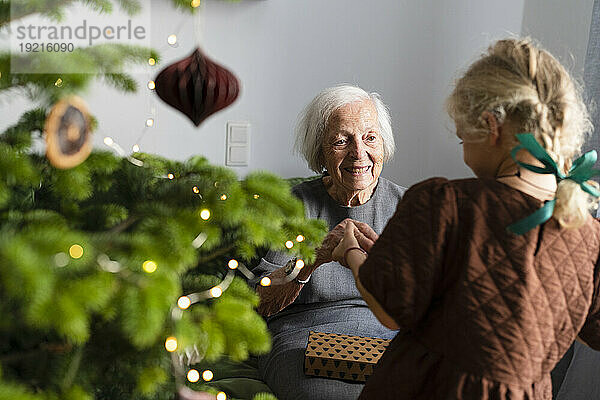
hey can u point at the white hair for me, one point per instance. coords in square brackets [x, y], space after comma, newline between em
[312, 122]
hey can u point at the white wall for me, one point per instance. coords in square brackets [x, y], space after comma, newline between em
[285, 51]
[562, 27]
[461, 31]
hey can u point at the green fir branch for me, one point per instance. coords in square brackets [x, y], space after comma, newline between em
[215, 254]
[16, 9]
[94, 62]
[53, 9]
[18, 136]
[73, 368]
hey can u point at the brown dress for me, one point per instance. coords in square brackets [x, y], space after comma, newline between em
[486, 314]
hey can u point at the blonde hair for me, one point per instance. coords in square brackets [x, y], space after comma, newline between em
[519, 81]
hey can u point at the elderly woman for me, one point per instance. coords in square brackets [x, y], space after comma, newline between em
[344, 133]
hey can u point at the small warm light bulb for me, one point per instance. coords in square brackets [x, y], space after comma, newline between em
[205, 214]
[135, 148]
[299, 238]
[266, 281]
[184, 302]
[193, 375]
[195, 3]
[172, 39]
[171, 344]
[195, 189]
[151, 85]
[216, 291]
[221, 396]
[256, 196]
[150, 122]
[289, 244]
[149, 266]
[224, 197]
[58, 82]
[108, 141]
[300, 264]
[232, 264]
[207, 375]
[151, 61]
[170, 176]
[61, 259]
[76, 251]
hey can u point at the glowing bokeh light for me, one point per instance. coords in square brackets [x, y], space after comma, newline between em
[76, 251]
[149, 266]
[171, 344]
[266, 281]
[184, 302]
[193, 375]
[205, 214]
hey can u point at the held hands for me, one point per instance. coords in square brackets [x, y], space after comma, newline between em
[275, 298]
[347, 242]
[364, 235]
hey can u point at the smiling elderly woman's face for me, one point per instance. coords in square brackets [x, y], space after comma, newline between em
[353, 149]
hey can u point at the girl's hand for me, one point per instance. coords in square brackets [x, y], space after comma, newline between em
[348, 241]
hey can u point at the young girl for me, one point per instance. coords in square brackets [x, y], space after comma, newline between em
[490, 279]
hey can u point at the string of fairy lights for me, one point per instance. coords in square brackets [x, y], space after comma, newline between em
[192, 356]
[181, 358]
[172, 42]
[182, 362]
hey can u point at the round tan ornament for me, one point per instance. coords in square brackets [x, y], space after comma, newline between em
[68, 133]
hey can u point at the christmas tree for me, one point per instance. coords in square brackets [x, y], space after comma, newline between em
[119, 273]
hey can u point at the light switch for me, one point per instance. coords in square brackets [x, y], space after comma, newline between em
[238, 134]
[238, 144]
[237, 156]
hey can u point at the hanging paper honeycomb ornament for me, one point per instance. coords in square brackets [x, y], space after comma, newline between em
[197, 86]
[68, 133]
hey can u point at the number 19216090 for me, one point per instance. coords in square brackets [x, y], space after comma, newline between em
[46, 47]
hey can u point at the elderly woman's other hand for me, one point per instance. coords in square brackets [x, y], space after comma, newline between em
[348, 241]
[324, 252]
[365, 235]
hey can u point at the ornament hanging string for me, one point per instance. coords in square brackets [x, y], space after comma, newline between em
[198, 23]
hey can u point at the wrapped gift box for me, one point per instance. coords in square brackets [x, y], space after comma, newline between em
[341, 356]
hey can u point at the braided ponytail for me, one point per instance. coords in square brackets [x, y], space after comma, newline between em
[518, 81]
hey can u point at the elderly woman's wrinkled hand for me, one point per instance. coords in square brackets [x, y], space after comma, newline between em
[330, 242]
[365, 235]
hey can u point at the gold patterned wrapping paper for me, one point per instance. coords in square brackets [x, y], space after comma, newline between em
[331, 355]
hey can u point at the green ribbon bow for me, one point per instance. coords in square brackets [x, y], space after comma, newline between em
[580, 172]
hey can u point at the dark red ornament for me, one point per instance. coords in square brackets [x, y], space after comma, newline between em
[197, 86]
